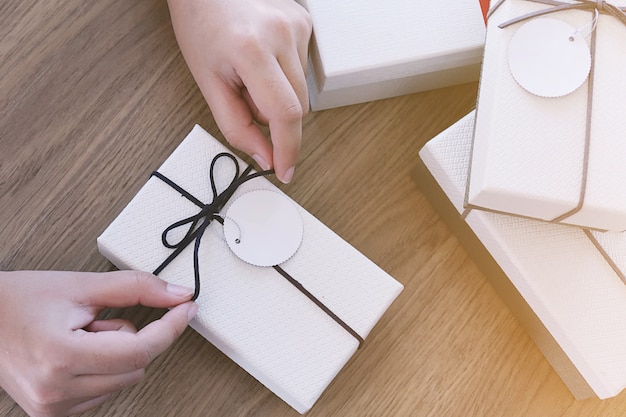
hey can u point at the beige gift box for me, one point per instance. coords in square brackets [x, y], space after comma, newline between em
[370, 49]
[565, 284]
[254, 314]
[557, 159]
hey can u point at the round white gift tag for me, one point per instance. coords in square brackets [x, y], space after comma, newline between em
[548, 58]
[263, 228]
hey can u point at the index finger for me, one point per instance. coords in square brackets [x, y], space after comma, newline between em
[129, 288]
[117, 352]
[276, 98]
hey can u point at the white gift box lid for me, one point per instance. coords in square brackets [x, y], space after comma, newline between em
[570, 277]
[253, 314]
[370, 49]
[531, 156]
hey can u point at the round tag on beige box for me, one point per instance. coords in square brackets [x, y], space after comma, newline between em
[549, 57]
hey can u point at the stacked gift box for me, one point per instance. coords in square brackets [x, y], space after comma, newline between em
[371, 49]
[533, 181]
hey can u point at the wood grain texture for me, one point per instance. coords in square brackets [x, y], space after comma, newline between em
[95, 95]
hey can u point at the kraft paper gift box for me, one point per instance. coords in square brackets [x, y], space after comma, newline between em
[371, 49]
[550, 144]
[565, 284]
[254, 314]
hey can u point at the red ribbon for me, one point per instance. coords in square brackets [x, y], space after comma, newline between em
[484, 5]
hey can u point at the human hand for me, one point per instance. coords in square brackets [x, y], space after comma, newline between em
[56, 359]
[249, 59]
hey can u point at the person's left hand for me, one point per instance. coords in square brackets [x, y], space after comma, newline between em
[57, 358]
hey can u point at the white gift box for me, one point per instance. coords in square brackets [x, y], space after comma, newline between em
[541, 157]
[564, 283]
[370, 49]
[254, 314]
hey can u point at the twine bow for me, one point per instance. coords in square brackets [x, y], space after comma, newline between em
[601, 6]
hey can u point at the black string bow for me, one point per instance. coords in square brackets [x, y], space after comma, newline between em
[198, 223]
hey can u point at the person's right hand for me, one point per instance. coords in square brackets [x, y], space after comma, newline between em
[57, 358]
[249, 59]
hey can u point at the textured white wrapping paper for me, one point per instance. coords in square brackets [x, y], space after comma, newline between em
[253, 314]
[371, 49]
[528, 152]
[567, 281]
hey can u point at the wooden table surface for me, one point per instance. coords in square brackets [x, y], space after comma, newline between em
[94, 95]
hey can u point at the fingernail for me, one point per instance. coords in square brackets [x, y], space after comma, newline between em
[193, 310]
[179, 290]
[262, 162]
[288, 175]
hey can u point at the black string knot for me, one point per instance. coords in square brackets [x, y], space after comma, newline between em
[197, 224]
